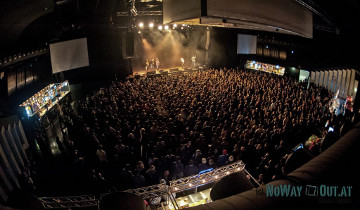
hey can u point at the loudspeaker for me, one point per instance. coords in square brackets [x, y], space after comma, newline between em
[121, 200]
[207, 40]
[129, 44]
[296, 159]
[230, 185]
[174, 70]
[150, 72]
[329, 140]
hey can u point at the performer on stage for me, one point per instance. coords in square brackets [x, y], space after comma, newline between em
[193, 60]
[147, 64]
[152, 64]
[157, 62]
[182, 62]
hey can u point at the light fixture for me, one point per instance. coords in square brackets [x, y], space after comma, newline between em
[160, 27]
[141, 25]
[166, 27]
[151, 25]
[134, 11]
[139, 32]
[175, 25]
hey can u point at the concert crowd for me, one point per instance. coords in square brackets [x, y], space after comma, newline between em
[139, 132]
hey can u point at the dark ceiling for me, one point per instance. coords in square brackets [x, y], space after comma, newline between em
[28, 23]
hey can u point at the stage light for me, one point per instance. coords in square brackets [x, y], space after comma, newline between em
[151, 25]
[166, 27]
[160, 27]
[141, 25]
[292, 51]
[277, 67]
[267, 47]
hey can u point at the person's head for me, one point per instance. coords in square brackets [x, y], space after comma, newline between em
[203, 161]
[231, 158]
[198, 152]
[140, 164]
[211, 161]
[152, 167]
[224, 152]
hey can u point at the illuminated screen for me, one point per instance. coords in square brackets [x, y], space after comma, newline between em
[69, 55]
[246, 44]
[269, 68]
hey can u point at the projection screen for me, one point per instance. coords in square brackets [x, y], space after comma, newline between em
[69, 55]
[246, 44]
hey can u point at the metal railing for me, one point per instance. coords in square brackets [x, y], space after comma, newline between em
[154, 192]
[198, 180]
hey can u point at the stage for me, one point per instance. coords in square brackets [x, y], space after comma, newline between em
[165, 71]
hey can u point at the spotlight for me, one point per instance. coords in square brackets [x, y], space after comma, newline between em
[141, 25]
[166, 27]
[160, 28]
[151, 25]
